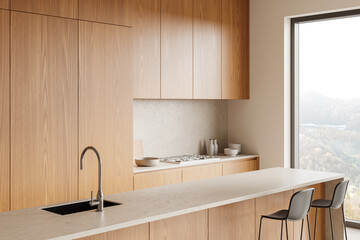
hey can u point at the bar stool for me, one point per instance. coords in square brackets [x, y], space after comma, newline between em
[298, 209]
[336, 202]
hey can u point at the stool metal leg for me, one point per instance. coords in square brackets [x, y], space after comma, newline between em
[307, 216]
[343, 213]
[302, 227]
[315, 224]
[260, 227]
[282, 223]
[287, 234]
[331, 223]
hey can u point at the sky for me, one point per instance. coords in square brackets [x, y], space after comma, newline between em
[329, 57]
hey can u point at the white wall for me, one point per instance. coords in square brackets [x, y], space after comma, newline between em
[259, 123]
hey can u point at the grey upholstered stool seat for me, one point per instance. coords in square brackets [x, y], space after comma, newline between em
[298, 209]
[321, 203]
[336, 202]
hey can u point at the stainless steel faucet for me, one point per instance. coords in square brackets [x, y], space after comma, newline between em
[99, 201]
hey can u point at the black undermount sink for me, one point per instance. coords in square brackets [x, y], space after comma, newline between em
[77, 207]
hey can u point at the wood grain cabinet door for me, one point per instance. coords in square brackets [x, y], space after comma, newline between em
[176, 49]
[147, 49]
[118, 12]
[105, 107]
[4, 111]
[61, 8]
[240, 166]
[189, 226]
[4, 4]
[156, 179]
[44, 110]
[235, 49]
[201, 172]
[207, 49]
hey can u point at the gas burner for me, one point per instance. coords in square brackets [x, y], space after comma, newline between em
[187, 159]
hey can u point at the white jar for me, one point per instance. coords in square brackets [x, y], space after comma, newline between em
[216, 147]
[210, 148]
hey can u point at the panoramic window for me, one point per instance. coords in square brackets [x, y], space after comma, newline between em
[326, 99]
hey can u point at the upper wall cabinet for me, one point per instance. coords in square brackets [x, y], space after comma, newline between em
[147, 49]
[105, 107]
[4, 111]
[118, 12]
[176, 49]
[4, 4]
[235, 49]
[61, 8]
[207, 49]
[44, 110]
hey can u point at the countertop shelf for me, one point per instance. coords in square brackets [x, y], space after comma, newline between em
[156, 203]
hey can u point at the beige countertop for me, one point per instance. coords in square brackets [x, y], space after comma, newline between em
[221, 158]
[156, 203]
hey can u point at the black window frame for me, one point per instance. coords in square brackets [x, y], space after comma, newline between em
[294, 23]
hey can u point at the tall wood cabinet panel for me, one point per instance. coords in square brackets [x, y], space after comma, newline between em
[105, 107]
[118, 12]
[61, 8]
[188, 226]
[233, 221]
[43, 110]
[235, 49]
[4, 4]
[207, 49]
[147, 49]
[138, 232]
[176, 49]
[4, 112]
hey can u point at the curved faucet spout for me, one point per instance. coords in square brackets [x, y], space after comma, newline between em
[100, 197]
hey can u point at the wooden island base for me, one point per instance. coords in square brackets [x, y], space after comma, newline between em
[229, 222]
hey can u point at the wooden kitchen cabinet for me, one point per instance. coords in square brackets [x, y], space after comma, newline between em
[138, 232]
[176, 49]
[118, 12]
[4, 111]
[44, 75]
[105, 106]
[235, 49]
[4, 4]
[147, 49]
[207, 49]
[233, 221]
[61, 8]
[201, 172]
[156, 179]
[240, 166]
[188, 226]
[193, 173]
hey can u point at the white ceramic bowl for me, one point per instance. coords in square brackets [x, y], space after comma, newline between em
[231, 152]
[236, 146]
[147, 161]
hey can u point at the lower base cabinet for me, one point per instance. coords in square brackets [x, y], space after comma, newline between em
[139, 232]
[188, 226]
[233, 221]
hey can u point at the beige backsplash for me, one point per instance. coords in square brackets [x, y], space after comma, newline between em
[178, 127]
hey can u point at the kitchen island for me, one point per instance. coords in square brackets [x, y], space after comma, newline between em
[217, 208]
